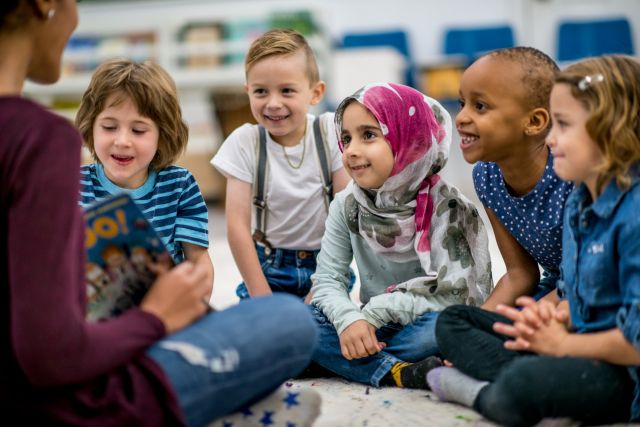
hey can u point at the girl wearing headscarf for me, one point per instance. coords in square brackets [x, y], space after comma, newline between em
[418, 243]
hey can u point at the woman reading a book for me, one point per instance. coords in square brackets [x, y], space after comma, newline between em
[164, 362]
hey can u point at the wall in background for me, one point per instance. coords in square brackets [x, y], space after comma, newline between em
[212, 98]
[534, 21]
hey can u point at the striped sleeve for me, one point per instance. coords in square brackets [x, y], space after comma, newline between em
[192, 217]
[91, 190]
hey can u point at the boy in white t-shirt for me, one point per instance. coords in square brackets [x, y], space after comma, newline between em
[275, 226]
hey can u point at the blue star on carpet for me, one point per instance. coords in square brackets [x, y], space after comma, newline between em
[266, 418]
[246, 412]
[291, 424]
[291, 399]
[228, 424]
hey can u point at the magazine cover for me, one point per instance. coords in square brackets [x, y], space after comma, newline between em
[120, 244]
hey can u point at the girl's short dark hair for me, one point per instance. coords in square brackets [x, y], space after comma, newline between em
[13, 15]
[538, 71]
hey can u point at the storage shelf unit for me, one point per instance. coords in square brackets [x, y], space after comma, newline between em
[202, 46]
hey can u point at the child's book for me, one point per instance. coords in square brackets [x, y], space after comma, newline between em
[120, 244]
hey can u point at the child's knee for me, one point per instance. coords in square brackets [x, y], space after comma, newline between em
[453, 313]
[451, 319]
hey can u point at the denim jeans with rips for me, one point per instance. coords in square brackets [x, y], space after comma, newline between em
[235, 357]
[411, 343]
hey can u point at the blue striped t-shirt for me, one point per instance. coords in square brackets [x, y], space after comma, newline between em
[170, 199]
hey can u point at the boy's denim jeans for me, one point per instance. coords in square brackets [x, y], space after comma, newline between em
[286, 270]
[411, 343]
[232, 358]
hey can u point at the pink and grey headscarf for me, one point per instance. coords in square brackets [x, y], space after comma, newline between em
[415, 213]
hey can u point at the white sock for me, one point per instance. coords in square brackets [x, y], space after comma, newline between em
[285, 407]
[451, 385]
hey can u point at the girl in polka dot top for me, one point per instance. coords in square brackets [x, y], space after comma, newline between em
[503, 121]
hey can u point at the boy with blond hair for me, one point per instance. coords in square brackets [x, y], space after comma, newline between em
[281, 173]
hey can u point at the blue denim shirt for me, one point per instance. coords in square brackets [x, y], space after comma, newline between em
[601, 264]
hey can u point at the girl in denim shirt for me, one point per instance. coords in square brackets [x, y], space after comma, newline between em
[578, 359]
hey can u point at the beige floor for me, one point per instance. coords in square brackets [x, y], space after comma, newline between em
[347, 404]
[344, 404]
[352, 404]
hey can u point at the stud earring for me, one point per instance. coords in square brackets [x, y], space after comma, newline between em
[51, 13]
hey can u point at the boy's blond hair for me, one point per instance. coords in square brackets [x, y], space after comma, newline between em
[153, 92]
[282, 41]
[609, 88]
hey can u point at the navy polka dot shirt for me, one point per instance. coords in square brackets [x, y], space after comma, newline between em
[535, 219]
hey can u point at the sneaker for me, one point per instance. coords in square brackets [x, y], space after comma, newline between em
[285, 407]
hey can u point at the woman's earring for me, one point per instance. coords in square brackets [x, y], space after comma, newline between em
[51, 13]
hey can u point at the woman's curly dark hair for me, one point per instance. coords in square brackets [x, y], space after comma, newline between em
[13, 14]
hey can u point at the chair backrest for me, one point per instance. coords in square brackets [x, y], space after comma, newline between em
[581, 39]
[396, 39]
[472, 42]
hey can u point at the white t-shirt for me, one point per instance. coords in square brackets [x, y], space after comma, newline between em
[296, 209]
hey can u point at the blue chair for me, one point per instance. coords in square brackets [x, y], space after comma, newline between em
[581, 39]
[396, 38]
[470, 42]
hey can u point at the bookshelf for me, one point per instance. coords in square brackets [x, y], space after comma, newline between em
[201, 44]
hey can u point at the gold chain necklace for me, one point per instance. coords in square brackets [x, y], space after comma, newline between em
[304, 148]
